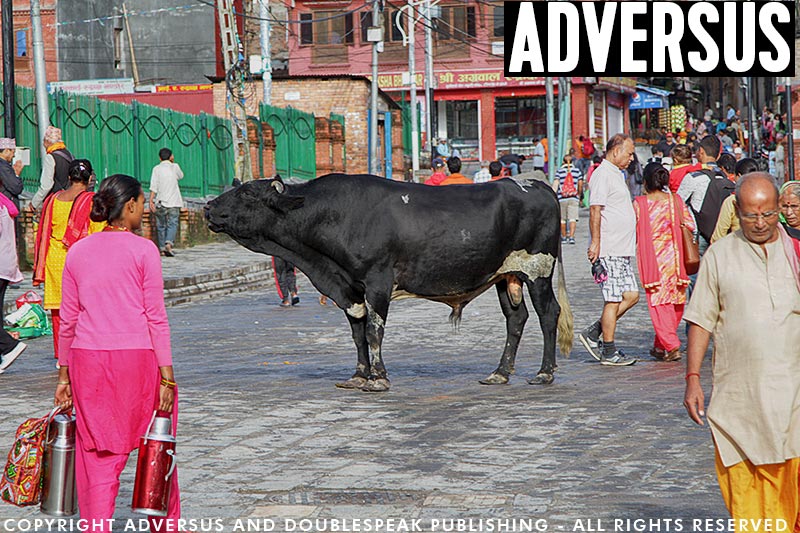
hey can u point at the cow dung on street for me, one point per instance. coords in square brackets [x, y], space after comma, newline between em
[364, 240]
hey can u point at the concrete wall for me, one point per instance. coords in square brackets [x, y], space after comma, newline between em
[171, 46]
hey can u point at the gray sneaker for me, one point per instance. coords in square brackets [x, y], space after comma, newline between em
[618, 359]
[593, 346]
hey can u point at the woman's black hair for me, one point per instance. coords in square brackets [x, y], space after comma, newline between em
[114, 193]
[80, 170]
[656, 177]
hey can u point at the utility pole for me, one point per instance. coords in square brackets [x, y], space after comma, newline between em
[266, 52]
[548, 84]
[374, 168]
[413, 98]
[130, 45]
[789, 127]
[9, 114]
[39, 73]
[429, 122]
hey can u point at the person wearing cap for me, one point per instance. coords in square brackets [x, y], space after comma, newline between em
[439, 174]
[483, 175]
[11, 185]
[442, 150]
[10, 348]
[55, 167]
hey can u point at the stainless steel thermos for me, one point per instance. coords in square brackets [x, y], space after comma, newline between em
[154, 467]
[58, 472]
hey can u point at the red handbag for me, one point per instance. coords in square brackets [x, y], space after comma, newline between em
[21, 482]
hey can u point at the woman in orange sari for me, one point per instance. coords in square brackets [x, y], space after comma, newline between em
[64, 221]
[659, 255]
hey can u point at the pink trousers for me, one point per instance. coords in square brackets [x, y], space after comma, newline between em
[97, 482]
[666, 319]
[115, 393]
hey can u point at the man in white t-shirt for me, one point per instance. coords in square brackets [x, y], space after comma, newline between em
[612, 223]
[166, 200]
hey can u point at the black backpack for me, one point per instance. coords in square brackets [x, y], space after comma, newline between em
[719, 188]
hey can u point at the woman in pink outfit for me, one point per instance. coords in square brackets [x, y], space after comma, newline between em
[114, 348]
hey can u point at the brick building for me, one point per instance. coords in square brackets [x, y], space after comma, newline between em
[23, 39]
[478, 109]
[344, 95]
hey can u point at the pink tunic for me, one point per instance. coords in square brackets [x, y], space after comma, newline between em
[113, 297]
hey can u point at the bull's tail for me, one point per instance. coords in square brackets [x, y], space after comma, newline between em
[566, 324]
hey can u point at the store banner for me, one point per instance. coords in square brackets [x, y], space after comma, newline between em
[639, 38]
[647, 100]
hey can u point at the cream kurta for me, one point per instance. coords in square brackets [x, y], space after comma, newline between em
[751, 304]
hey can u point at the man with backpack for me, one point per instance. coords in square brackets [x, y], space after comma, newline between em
[705, 190]
[569, 188]
[55, 167]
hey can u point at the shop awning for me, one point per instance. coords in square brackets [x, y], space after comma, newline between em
[649, 98]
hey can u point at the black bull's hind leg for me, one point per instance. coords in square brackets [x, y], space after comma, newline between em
[548, 309]
[377, 310]
[516, 316]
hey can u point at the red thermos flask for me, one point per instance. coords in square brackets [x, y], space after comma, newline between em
[154, 467]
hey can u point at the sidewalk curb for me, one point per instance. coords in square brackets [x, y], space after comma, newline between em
[180, 290]
[219, 283]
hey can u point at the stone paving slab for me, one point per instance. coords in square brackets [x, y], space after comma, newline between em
[264, 435]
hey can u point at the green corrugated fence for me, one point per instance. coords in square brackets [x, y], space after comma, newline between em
[121, 138]
[295, 141]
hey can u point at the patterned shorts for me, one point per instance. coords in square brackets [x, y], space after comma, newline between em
[621, 278]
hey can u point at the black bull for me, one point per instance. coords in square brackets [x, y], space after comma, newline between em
[364, 240]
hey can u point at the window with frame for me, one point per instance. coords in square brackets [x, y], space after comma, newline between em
[326, 27]
[455, 23]
[21, 48]
[499, 22]
[391, 32]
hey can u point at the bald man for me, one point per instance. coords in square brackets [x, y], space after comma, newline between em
[747, 298]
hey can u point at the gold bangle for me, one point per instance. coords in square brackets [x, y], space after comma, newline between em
[167, 383]
[64, 383]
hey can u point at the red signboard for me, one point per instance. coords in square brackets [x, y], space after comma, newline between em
[183, 88]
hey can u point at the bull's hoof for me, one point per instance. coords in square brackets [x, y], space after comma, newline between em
[376, 385]
[494, 379]
[356, 382]
[541, 379]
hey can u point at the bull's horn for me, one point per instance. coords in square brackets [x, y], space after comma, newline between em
[279, 186]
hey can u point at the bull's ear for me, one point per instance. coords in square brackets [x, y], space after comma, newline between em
[285, 203]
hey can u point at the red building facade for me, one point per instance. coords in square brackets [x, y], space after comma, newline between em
[478, 109]
[23, 39]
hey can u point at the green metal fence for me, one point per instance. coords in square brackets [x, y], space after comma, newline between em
[340, 119]
[295, 141]
[121, 138]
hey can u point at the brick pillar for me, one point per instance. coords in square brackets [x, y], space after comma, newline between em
[488, 146]
[337, 146]
[399, 168]
[183, 228]
[324, 155]
[252, 143]
[269, 150]
[580, 110]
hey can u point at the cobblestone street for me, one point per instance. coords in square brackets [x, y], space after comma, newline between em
[265, 435]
